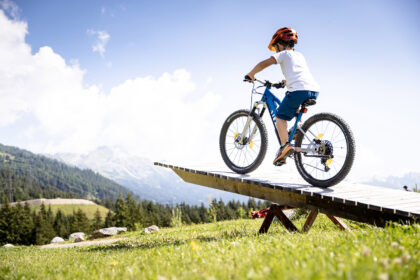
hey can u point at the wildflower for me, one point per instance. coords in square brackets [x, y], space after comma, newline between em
[366, 251]
[383, 276]
[406, 257]
[194, 246]
[397, 261]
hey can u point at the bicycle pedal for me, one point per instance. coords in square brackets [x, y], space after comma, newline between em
[280, 163]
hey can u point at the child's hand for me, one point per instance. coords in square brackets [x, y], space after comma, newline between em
[249, 78]
[284, 83]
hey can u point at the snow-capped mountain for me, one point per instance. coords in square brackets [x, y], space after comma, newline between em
[143, 178]
[411, 180]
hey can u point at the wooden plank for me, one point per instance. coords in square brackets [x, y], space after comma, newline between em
[271, 194]
[338, 222]
[411, 202]
[352, 201]
[310, 220]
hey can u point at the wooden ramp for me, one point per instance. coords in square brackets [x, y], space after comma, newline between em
[358, 202]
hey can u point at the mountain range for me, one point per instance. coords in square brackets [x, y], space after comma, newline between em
[25, 175]
[141, 177]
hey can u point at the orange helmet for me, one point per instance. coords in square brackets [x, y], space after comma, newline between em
[285, 34]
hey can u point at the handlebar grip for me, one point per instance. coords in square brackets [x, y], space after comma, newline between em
[247, 79]
[279, 85]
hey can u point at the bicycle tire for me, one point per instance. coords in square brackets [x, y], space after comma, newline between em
[263, 148]
[351, 150]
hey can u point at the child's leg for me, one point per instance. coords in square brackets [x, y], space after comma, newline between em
[283, 133]
[282, 130]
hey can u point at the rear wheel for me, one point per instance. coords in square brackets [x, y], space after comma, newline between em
[246, 156]
[334, 146]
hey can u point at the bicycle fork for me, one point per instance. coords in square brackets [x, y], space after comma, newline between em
[248, 122]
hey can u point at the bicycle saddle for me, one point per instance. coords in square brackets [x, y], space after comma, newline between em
[309, 102]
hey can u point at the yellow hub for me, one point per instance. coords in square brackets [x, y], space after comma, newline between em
[251, 144]
[319, 136]
[236, 135]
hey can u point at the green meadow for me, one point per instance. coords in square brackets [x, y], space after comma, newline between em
[231, 250]
[68, 209]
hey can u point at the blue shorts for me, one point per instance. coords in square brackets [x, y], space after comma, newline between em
[292, 101]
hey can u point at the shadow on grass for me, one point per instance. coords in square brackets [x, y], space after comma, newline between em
[173, 242]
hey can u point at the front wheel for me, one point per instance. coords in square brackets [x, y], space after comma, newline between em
[328, 150]
[243, 154]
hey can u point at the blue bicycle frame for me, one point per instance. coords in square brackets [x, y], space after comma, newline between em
[273, 103]
[270, 101]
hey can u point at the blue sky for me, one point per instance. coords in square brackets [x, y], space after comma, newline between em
[206, 37]
[364, 54]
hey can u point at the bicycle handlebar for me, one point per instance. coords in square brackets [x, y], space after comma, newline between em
[266, 83]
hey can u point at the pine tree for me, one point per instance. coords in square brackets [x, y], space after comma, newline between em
[120, 218]
[176, 220]
[212, 212]
[132, 212]
[97, 221]
[44, 230]
[5, 216]
[240, 212]
[28, 226]
[60, 224]
[109, 220]
[80, 222]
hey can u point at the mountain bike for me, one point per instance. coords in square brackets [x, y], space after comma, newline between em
[327, 146]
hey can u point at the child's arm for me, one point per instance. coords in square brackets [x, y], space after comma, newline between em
[261, 66]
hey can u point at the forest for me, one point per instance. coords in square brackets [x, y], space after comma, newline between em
[20, 224]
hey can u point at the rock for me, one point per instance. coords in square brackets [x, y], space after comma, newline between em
[77, 234]
[79, 239]
[57, 239]
[105, 232]
[291, 214]
[9, 245]
[151, 229]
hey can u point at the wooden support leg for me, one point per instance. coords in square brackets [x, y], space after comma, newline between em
[267, 222]
[310, 220]
[276, 210]
[338, 222]
[284, 220]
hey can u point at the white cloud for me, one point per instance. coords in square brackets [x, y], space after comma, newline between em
[102, 38]
[158, 117]
[10, 8]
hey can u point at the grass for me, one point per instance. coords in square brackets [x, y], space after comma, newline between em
[67, 209]
[231, 250]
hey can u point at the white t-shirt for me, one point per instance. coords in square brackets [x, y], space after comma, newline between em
[296, 71]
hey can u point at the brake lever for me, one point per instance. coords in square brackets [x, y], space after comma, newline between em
[278, 85]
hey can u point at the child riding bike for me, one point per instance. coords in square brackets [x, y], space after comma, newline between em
[299, 81]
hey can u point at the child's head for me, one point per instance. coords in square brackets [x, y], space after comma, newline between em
[284, 38]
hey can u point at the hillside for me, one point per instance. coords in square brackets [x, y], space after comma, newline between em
[24, 176]
[230, 250]
[68, 206]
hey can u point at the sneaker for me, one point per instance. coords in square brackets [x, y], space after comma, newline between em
[283, 153]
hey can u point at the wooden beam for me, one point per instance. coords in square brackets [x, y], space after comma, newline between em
[267, 222]
[338, 222]
[310, 220]
[277, 210]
